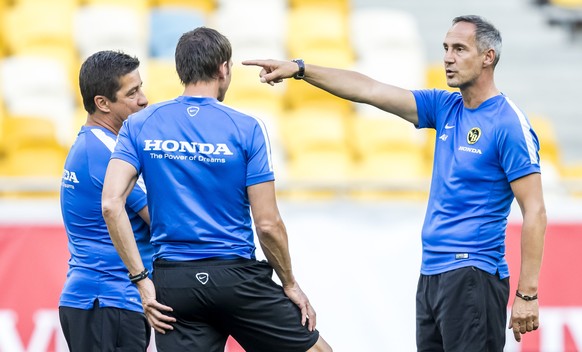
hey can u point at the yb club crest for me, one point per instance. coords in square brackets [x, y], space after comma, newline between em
[473, 135]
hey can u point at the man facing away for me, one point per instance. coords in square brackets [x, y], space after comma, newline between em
[209, 173]
[99, 308]
[486, 155]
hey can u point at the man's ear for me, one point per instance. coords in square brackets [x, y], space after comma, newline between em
[102, 103]
[224, 69]
[490, 55]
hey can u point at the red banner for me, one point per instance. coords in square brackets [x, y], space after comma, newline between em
[33, 266]
[560, 290]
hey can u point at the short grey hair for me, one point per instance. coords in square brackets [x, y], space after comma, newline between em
[486, 35]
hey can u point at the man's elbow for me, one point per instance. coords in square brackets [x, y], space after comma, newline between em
[269, 228]
[109, 207]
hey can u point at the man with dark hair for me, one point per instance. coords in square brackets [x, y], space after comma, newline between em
[486, 154]
[208, 169]
[99, 308]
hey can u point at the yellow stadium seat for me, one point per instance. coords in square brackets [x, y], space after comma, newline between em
[248, 95]
[246, 86]
[436, 78]
[72, 3]
[384, 132]
[391, 157]
[38, 86]
[320, 168]
[33, 172]
[35, 24]
[79, 120]
[318, 155]
[306, 130]
[549, 148]
[317, 27]
[3, 49]
[37, 161]
[567, 3]
[317, 175]
[396, 174]
[342, 5]
[337, 57]
[300, 94]
[24, 131]
[571, 176]
[206, 6]
[161, 81]
[142, 5]
[32, 158]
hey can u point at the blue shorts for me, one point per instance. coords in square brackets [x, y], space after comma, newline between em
[461, 310]
[212, 299]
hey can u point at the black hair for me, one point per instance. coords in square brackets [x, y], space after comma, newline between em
[100, 74]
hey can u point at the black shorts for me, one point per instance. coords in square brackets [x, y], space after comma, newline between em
[461, 310]
[212, 299]
[104, 329]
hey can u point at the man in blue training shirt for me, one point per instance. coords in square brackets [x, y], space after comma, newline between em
[99, 308]
[207, 168]
[486, 154]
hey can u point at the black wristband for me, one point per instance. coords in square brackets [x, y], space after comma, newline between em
[301, 73]
[526, 297]
[138, 277]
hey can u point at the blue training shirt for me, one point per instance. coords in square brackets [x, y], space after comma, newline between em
[95, 269]
[197, 157]
[478, 152]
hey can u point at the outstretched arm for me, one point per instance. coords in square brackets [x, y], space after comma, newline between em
[345, 84]
[273, 239]
[119, 181]
[528, 193]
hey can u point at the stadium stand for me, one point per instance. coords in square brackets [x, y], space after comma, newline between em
[45, 29]
[250, 37]
[565, 13]
[139, 5]
[435, 77]
[391, 159]
[316, 141]
[160, 79]
[167, 24]
[342, 34]
[38, 86]
[125, 29]
[30, 149]
[206, 6]
[318, 27]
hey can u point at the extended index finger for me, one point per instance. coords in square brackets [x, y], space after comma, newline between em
[255, 62]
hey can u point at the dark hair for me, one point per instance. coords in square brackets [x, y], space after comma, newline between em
[199, 54]
[486, 35]
[100, 74]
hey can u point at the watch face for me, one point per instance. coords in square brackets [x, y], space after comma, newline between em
[301, 73]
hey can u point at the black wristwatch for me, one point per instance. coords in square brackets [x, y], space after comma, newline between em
[138, 277]
[526, 297]
[301, 73]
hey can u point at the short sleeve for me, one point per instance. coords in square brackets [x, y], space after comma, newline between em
[125, 148]
[260, 163]
[518, 149]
